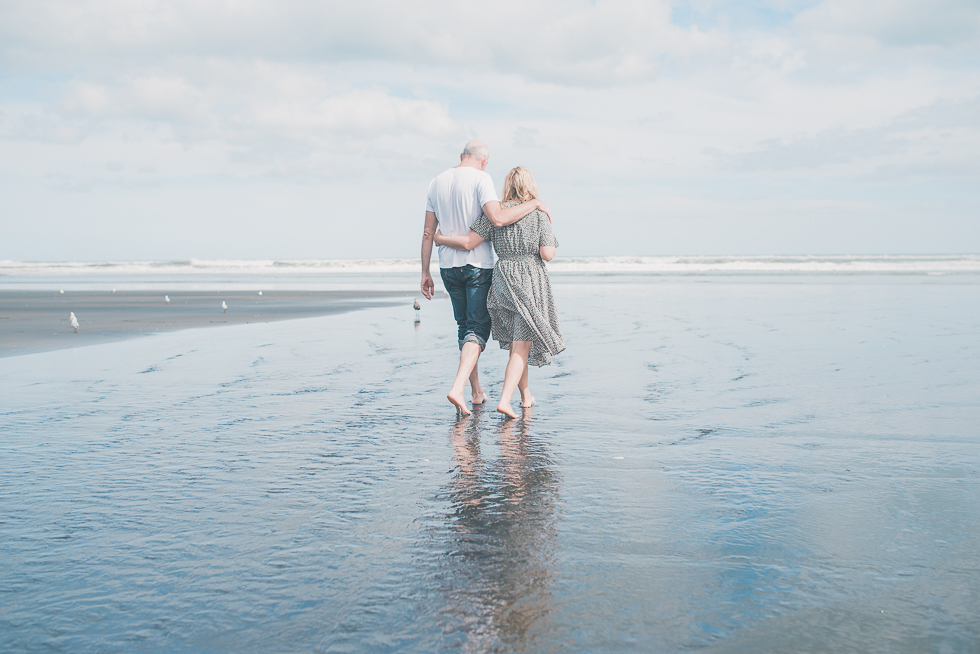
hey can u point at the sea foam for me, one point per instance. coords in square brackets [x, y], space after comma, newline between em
[661, 265]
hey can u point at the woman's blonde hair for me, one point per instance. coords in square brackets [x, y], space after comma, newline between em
[520, 185]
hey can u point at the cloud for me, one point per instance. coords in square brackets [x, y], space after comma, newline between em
[526, 137]
[830, 148]
[579, 42]
[288, 102]
[366, 113]
[221, 120]
[897, 23]
[583, 43]
[629, 100]
[939, 140]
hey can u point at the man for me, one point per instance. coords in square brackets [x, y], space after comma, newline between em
[456, 199]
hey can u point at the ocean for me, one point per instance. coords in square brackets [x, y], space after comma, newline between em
[383, 274]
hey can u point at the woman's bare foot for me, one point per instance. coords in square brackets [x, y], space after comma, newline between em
[504, 408]
[480, 399]
[458, 402]
[527, 401]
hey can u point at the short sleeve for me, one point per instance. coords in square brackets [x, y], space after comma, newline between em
[430, 204]
[485, 190]
[483, 227]
[546, 236]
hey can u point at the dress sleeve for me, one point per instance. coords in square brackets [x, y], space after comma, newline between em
[546, 236]
[483, 227]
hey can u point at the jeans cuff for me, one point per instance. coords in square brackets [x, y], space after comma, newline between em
[473, 338]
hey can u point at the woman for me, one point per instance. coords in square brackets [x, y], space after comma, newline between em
[522, 309]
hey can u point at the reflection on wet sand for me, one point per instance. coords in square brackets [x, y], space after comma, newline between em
[501, 537]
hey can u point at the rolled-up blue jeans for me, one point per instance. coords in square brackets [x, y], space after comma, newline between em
[468, 288]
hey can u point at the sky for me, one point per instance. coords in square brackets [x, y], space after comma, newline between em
[253, 129]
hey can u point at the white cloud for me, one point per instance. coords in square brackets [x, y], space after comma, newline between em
[941, 140]
[898, 23]
[266, 118]
[360, 112]
[602, 99]
[582, 42]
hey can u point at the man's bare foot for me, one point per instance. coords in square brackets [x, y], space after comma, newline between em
[457, 401]
[504, 408]
[480, 399]
[527, 402]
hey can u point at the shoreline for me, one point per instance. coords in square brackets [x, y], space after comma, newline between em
[38, 321]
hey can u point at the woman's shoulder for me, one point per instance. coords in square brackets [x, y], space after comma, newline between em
[540, 216]
[534, 217]
[535, 213]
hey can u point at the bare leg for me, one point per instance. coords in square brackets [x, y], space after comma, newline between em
[527, 400]
[479, 397]
[516, 367]
[468, 358]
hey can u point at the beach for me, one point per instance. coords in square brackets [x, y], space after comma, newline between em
[722, 463]
[37, 321]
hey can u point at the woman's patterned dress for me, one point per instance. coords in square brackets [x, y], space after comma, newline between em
[520, 303]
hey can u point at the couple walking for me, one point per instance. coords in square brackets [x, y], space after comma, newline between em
[512, 299]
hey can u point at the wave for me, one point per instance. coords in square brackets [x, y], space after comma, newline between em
[662, 265]
[808, 264]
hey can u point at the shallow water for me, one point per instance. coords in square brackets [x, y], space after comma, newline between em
[719, 464]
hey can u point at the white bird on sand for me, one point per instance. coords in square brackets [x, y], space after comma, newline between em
[417, 308]
[260, 292]
[113, 291]
[73, 320]
[167, 298]
[224, 307]
[62, 291]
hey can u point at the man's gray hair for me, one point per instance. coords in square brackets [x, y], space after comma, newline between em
[476, 150]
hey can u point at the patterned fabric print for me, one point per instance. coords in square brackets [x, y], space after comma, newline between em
[521, 305]
[520, 330]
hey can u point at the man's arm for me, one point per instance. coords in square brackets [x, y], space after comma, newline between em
[428, 231]
[501, 217]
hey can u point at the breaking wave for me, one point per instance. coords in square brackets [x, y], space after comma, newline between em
[662, 265]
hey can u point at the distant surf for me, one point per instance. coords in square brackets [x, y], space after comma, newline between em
[656, 265]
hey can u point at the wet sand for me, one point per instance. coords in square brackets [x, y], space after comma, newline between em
[38, 321]
[720, 465]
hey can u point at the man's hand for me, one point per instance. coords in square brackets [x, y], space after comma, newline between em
[428, 286]
[431, 225]
[545, 210]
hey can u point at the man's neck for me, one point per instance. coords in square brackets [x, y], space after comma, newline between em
[471, 163]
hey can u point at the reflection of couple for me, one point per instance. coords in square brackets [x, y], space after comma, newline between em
[512, 298]
[502, 538]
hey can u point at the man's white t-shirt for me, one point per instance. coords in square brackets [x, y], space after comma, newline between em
[457, 197]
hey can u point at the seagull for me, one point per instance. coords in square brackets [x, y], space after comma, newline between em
[62, 291]
[113, 291]
[260, 292]
[73, 320]
[417, 308]
[167, 298]
[224, 307]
